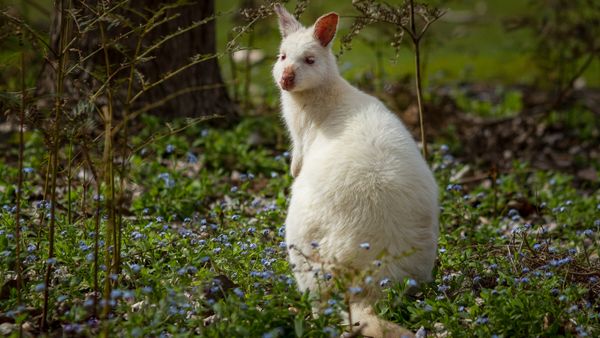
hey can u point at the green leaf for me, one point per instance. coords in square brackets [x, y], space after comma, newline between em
[299, 326]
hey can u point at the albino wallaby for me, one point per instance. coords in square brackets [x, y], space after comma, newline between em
[361, 188]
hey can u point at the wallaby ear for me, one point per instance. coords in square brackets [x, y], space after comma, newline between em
[287, 23]
[325, 28]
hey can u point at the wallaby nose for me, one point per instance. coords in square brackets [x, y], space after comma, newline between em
[287, 79]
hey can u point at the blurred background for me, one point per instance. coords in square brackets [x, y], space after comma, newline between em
[502, 80]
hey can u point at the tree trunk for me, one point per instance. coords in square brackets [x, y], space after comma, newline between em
[213, 99]
[197, 91]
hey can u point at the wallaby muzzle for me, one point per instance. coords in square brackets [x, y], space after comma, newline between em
[287, 79]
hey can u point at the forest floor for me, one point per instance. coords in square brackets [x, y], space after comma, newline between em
[203, 248]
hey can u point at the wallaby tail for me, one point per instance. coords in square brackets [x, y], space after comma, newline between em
[368, 324]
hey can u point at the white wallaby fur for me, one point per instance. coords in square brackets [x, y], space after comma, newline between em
[359, 177]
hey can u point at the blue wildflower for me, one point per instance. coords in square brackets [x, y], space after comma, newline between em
[355, 290]
[191, 158]
[277, 332]
[331, 331]
[170, 148]
[116, 293]
[238, 292]
[513, 212]
[167, 179]
[136, 235]
[128, 295]
[40, 287]
[581, 332]
[482, 320]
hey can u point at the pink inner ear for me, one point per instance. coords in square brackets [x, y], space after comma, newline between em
[325, 28]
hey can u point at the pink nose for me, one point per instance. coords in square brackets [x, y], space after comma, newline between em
[287, 79]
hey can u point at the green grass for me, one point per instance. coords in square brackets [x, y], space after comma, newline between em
[476, 50]
[206, 203]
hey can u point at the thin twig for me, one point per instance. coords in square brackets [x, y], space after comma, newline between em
[20, 175]
[96, 226]
[169, 75]
[62, 60]
[38, 36]
[108, 181]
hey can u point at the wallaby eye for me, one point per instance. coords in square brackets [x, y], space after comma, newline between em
[310, 60]
[282, 56]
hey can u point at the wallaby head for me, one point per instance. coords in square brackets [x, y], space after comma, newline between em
[305, 60]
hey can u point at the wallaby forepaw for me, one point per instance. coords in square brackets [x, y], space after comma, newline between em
[295, 168]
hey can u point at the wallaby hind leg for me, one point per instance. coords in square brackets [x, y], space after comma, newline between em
[369, 325]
